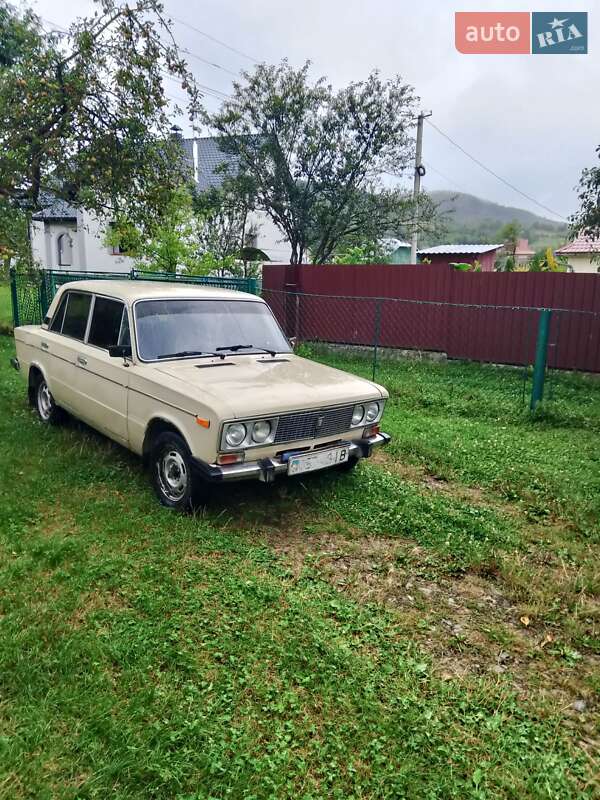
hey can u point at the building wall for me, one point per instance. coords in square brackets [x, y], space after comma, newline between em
[582, 262]
[89, 251]
[401, 255]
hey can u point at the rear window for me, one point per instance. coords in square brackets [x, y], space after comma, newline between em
[107, 323]
[76, 315]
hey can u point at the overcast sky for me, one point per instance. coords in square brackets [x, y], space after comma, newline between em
[535, 120]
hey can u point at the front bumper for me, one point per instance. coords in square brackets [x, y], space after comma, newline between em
[268, 468]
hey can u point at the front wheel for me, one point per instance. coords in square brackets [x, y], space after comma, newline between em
[48, 412]
[172, 477]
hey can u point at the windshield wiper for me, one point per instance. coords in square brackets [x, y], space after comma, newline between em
[235, 347]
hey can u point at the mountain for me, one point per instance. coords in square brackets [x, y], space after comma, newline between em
[472, 220]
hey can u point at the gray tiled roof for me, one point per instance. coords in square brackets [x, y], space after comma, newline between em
[55, 208]
[214, 165]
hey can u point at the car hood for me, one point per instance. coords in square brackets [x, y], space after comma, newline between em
[251, 385]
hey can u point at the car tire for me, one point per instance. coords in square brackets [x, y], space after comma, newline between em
[47, 410]
[172, 474]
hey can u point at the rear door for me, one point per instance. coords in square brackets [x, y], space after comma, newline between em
[60, 344]
[102, 381]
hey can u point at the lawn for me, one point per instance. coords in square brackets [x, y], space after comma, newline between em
[426, 627]
[6, 319]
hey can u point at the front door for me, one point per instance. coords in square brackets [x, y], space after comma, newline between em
[102, 381]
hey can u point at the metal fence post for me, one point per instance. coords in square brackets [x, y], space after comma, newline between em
[541, 357]
[377, 333]
[14, 297]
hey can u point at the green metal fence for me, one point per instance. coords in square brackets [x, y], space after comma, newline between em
[33, 291]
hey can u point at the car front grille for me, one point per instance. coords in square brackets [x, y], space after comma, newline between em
[313, 424]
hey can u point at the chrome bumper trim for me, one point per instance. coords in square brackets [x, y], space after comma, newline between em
[267, 468]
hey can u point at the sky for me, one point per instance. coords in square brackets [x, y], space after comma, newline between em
[533, 120]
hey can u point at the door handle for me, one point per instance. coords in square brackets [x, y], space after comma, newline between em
[81, 360]
[44, 345]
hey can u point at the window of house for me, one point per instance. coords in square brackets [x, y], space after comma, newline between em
[76, 315]
[65, 250]
[109, 323]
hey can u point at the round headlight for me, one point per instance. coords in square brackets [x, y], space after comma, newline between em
[261, 431]
[358, 415]
[236, 433]
[372, 412]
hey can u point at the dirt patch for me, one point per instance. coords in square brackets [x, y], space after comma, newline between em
[470, 626]
[96, 602]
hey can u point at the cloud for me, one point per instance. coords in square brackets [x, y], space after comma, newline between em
[532, 119]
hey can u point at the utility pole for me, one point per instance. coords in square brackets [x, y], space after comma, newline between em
[419, 173]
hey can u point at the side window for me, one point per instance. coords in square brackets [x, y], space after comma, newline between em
[76, 315]
[107, 321]
[59, 315]
[124, 337]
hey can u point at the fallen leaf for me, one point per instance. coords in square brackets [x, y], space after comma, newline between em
[525, 620]
[546, 640]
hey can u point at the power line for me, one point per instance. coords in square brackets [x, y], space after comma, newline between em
[210, 63]
[495, 174]
[214, 39]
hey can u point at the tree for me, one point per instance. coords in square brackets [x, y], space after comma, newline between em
[170, 244]
[587, 220]
[374, 215]
[83, 116]
[222, 219]
[312, 153]
[509, 234]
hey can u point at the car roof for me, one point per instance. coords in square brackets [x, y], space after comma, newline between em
[131, 290]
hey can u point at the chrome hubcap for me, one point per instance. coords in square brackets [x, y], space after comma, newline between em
[45, 401]
[172, 475]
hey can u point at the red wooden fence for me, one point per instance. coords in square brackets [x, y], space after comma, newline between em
[472, 315]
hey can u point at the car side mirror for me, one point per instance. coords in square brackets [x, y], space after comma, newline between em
[293, 342]
[120, 351]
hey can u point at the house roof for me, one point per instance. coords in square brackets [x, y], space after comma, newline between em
[582, 244]
[396, 243]
[213, 165]
[55, 208]
[458, 249]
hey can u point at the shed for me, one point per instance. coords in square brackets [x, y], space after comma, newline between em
[485, 254]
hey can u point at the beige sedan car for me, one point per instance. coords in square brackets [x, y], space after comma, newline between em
[201, 382]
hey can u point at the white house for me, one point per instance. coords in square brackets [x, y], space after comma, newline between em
[67, 238]
[583, 254]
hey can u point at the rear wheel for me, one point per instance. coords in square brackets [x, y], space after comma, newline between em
[173, 479]
[48, 412]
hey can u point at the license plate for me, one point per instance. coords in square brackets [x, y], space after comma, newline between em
[321, 459]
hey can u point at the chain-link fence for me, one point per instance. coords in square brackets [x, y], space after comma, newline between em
[33, 291]
[380, 331]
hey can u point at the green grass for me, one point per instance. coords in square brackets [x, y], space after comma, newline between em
[467, 423]
[6, 319]
[145, 655]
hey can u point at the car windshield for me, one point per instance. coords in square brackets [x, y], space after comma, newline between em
[180, 328]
